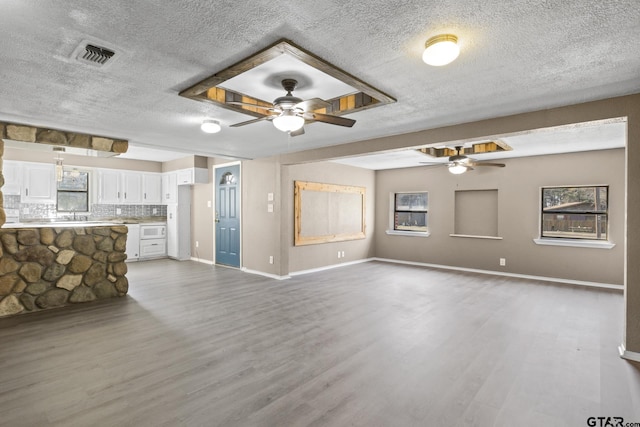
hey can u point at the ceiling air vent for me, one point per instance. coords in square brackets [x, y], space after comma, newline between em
[96, 55]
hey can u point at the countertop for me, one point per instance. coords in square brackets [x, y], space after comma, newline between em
[99, 223]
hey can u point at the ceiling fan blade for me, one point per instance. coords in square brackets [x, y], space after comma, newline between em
[248, 122]
[499, 165]
[333, 120]
[297, 132]
[312, 104]
[244, 104]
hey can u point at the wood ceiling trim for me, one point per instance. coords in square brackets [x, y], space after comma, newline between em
[207, 90]
[478, 148]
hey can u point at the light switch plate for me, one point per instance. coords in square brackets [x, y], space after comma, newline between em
[270, 207]
[270, 197]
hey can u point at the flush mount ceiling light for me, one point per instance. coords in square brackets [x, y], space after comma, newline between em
[441, 50]
[210, 126]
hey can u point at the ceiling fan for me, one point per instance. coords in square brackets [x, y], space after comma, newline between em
[289, 113]
[459, 163]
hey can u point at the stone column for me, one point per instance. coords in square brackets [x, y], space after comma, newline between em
[3, 215]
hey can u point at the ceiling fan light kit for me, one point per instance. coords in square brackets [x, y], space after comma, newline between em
[288, 121]
[210, 126]
[457, 169]
[441, 50]
[289, 113]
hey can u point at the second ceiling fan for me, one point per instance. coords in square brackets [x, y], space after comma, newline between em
[289, 113]
[459, 163]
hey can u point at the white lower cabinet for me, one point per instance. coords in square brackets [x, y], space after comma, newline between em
[133, 242]
[152, 248]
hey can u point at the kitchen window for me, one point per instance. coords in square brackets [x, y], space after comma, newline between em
[577, 213]
[73, 192]
[409, 214]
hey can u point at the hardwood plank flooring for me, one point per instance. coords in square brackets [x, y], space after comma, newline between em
[373, 344]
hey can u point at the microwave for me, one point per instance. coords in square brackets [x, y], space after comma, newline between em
[153, 231]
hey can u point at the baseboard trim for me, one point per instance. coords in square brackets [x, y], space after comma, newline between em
[204, 261]
[501, 273]
[329, 267]
[262, 273]
[628, 355]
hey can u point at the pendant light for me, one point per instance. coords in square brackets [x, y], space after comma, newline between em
[58, 162]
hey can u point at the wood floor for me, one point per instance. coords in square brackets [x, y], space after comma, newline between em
[372, 344]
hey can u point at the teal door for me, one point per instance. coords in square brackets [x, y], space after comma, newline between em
[227, 215]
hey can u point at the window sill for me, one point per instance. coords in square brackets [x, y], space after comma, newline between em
[408, 233]
[576, 243]
[471, 236]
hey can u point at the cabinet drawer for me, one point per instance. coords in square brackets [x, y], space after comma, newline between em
[153, 248]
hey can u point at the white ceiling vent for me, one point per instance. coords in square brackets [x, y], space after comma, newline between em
[93, 54]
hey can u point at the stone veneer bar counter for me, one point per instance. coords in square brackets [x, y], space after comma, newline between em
[43, 267]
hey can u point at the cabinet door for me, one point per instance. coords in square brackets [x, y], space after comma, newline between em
[172, 230]
[39, 183]
[133, 242]
[12, 173]
[185, 176]
[169, 187]
[109, 187]
[132, 187]
[153, 248]
[152, 188]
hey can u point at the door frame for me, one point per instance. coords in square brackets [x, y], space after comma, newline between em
[213, 210]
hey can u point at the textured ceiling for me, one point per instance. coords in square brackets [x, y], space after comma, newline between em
[516, 56]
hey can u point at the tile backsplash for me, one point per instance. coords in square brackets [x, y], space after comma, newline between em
[34, 211]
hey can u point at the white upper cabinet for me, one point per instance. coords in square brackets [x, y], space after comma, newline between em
[131, 187]
[12, 172]
[39, 183]
[185, 176]
[169, 187]
[109, 186]
[192, 176]
[152, 188]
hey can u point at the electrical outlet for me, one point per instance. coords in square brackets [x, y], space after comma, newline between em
[270, 259]
[118, 211]
[155, 211]
[338, 254]
[503, 262]
[197, 243]
[270, 197]
[208, 203]
[270, 207]
[342, 254]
